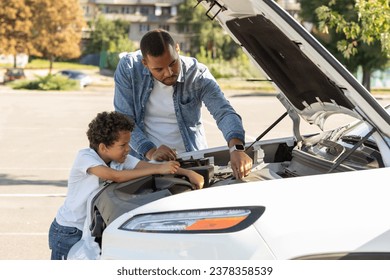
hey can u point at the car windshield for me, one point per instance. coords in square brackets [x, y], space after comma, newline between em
[75, 75]
[72, 74]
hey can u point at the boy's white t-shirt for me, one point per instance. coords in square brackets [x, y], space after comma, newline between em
[81, 185]
[161, 125]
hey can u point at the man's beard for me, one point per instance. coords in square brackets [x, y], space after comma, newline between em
[170, 81]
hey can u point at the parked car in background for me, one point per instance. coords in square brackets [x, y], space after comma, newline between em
[79, 76]
[12, 74]
[317, 196]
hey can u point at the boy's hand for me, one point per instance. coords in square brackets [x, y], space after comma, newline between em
[169, 167]
[196, 179]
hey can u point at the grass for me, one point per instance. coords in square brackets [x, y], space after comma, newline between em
[266, 87]
[246, 85]
[385, 91]
[226, 84]
[45, 64]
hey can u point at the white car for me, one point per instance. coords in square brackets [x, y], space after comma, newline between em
[321, 196]
[82, 78]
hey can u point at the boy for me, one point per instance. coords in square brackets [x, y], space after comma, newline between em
[107, 159]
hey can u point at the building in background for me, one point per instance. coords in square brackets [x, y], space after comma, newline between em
[145, 15]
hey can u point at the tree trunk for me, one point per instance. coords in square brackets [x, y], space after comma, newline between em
[366, 79]
[51, 64]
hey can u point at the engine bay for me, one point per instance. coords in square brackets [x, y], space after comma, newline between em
[272, 159]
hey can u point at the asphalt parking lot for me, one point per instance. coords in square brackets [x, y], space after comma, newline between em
[40, 134]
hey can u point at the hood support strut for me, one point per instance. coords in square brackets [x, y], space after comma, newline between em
[267, 130]
[293, 115]
[345, 155]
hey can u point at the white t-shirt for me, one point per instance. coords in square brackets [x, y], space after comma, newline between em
[81, 185]
[160, 119]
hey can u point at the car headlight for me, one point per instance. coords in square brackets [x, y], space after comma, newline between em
[195, 221]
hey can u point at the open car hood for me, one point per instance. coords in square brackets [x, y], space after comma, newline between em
[314, 83]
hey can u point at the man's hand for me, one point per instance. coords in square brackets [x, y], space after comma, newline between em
[162, 153]
[241, 164]
[168, 167]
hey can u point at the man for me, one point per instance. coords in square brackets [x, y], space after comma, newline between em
[163, 92]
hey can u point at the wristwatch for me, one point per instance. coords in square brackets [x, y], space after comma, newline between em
[237, 147]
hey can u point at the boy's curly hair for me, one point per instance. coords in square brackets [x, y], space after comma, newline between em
[105, 128]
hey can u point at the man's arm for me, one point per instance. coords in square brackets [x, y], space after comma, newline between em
[227, 119]
[230, 124]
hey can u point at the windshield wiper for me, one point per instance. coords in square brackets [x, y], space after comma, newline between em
[345, 155]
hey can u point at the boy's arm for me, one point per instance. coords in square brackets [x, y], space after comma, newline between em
[194, 177]
[142, 169]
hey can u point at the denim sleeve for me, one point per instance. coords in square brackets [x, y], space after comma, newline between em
[124, 102]
[123, 89]
[227, 119]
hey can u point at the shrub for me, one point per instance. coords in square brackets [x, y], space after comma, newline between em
[49, 82]
[237, 67]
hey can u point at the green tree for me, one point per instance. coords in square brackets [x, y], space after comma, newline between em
[190, 22]
[355, 31]
[57, 29]
[205, 33]
[370, 23]
[15, 27]
[109, 35]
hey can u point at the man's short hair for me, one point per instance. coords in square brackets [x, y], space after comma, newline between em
[105, 128]
[155, 42]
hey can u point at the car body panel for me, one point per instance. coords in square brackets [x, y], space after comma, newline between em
[289, 228]
[82, 78]
[172, 246]
[13, 74]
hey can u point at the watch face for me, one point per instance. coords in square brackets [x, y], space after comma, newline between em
[237, 147]
[240, 147]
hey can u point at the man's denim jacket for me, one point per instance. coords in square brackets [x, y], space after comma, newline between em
[134, 83]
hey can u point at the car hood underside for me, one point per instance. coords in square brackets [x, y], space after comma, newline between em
[305, 86]
[315, 84]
